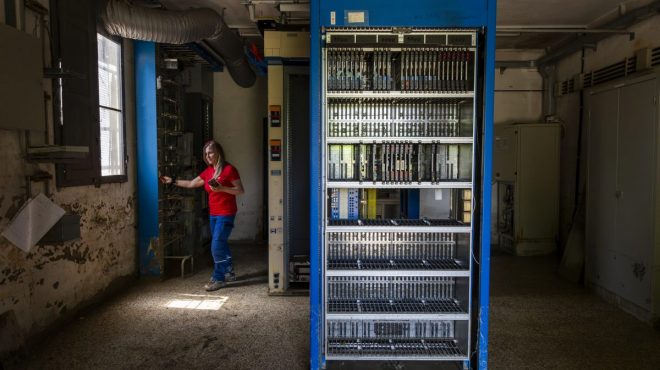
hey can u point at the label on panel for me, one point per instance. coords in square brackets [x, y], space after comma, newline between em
[276, 150]
[356, 17]
[275, 115]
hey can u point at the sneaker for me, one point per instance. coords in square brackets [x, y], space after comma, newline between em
[230, 276]
[214, 285]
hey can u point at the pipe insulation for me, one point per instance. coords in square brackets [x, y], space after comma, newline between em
[180, 27]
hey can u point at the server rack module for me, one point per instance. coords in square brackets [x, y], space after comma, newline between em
[398, 113]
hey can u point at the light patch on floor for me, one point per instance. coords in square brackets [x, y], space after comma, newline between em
[211, 303]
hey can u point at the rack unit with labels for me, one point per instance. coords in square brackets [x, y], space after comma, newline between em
[399, 162]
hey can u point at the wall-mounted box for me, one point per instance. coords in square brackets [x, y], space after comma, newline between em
[66, 229]
[286, 44]
[21, 74]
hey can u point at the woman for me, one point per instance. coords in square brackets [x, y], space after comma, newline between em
[223, 183]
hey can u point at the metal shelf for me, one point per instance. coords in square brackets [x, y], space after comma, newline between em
[394, 306]
[398, 94]
[399, 185]
[437, 226]
[416, 267]
[396, 222]
[394, 349]
[405, 139]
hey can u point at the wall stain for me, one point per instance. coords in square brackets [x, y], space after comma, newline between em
[639, 270]
[17, 203]
[11, 275]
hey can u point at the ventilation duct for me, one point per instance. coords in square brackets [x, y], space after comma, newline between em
[180, 27]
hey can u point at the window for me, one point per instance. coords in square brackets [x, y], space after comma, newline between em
[111, 117]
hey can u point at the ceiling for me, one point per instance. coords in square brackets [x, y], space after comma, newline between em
[556, 18]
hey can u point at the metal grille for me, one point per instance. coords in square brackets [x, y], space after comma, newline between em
[614, 71]
[423, 264]
[394, 222]
[445, 306]
[390, 251]
[390, 287]
[389, 117]
[184, 54]
[655, 56]
[395, 348]
[391, 329]
[390, 237]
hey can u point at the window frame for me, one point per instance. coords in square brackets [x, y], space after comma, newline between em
[113, 178]
[74, 29]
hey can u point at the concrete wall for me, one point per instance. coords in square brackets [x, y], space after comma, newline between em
[238, 126]
[518, 91]
[53, 281]
[608, 51]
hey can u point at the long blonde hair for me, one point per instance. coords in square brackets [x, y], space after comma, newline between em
[221, 153]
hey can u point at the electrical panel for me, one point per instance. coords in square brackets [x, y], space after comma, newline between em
[398, 163]
[178, 209]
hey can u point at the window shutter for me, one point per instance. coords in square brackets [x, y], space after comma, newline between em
[74, 42]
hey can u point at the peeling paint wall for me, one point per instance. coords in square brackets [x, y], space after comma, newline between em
[51, 282]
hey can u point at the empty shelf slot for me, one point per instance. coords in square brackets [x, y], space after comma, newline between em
[414, 264]
[395, 348]
[444, 306]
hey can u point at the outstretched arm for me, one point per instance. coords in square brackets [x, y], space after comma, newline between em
[197, 182]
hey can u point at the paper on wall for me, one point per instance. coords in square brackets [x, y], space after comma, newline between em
[32, 222]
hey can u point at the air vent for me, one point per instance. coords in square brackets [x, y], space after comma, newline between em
[614, 71]
[567, 87]
[609, 73]
[655, 57]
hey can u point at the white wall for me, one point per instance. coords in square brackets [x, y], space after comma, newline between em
[237, 125]
[53, 282]
[518, 91]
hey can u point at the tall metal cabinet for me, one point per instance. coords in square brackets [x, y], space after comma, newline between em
[622, 251]
[526, 187]
[401, 131]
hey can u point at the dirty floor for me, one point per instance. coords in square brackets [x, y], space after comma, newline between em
[175, 324]
[538, 321]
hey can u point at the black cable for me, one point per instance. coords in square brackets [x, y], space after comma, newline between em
[579, 145]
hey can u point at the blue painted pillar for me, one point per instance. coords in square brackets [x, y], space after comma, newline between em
[486, 190]
[147, 156]
[315, 227]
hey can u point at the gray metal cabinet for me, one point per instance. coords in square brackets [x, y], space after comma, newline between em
[622, 243]
[526, 186]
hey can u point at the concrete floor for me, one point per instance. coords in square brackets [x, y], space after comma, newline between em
[538, 321]
[251, 330]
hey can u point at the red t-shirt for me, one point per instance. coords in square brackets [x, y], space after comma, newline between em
[221, 203]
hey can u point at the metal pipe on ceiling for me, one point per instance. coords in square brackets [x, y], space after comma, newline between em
[626, 20]
[180, 27]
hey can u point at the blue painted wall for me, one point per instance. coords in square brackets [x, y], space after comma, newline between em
[420, 13]
[147, 156]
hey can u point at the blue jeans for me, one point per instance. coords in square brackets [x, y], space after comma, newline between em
[221, 227]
